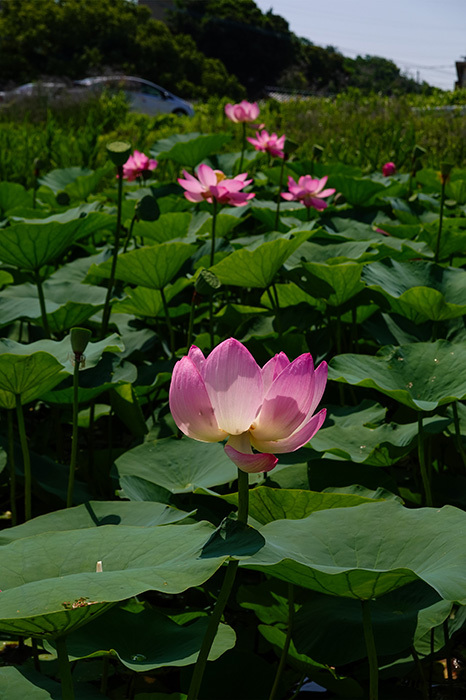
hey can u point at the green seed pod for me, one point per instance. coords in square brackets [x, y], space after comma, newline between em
[418, 152]
[79, 339]
[62, 198]
[207, 283]
[119, 152]
[147, 208]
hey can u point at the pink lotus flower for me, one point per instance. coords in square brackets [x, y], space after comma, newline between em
[388, 169]
[244, 111]
[228, 396]
[136, 165]
[269, 143]
[309, 191]
[214, 185]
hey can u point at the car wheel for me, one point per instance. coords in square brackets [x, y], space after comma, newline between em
[180, 112]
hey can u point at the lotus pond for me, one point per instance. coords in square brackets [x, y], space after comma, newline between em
[133, 542]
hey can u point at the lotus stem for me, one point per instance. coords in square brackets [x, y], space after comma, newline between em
[422, 677]
[64, 669]
[11, 464]
[440, 223]
[446, 637]
[111, 281]
[279, 199]
[228, 581]
[191, 321]
[168, 320]
[422, 462]
[286, 646]
[130, 232]
[371, 650]
[458, 432]
[26, 458]
[43, 311]
[214, 222]
[74, 436]
[243, 146]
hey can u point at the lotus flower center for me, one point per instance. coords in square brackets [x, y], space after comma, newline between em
[220, 176]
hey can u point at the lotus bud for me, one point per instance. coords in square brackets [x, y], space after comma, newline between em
[445, 171]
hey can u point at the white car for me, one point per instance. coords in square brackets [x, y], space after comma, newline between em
[144, 97]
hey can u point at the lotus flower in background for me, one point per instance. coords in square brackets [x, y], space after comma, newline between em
[227, 396]
[212, 185]
[136, 165]
[308, 190]
[388, 169]
[269, 143]
[244, 111]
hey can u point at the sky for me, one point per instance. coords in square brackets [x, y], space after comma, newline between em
[423, 37]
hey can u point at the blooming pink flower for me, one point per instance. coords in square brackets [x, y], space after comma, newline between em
[136, 165]
[309, 191]
[270, 143]
[244, 111]
[213, 184]
[228, 396]
[388, 169]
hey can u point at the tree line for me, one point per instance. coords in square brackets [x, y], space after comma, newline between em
[205, 48]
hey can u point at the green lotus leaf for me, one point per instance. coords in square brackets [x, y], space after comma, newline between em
[452, 239]
[167, 227]
[267, 504]
[421, 375]
[144, 639]
[357, 191]
[180, 466]
[355, 434]
[336, 284]
[51, 582]
[20, 682]
[27, 376]
[258, 267]
[151, 266]
[13, 196]
[368, 551]
[96, 514]
[395, 618]
[189, 149]
[420, 291]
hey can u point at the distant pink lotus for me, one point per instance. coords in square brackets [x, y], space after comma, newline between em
[269, 143]
[244, 111]
[308, 190]
[210, 185]
[227, 396]
[136, 165]
[388, 169]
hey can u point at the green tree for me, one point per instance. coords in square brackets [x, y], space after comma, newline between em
[74, 38]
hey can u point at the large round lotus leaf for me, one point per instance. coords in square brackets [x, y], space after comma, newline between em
[360, 435]
[50, 584]
[367, 551]
[19, 682]
[96, 514]
[144, 639]
[27, 375]
[421, 291]
[267, 505]
[29, 246]
[180, 466]
[151, 266]
[394, 620]
[189, 149]
[258, 267]
[336, 284]
[421, 375]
